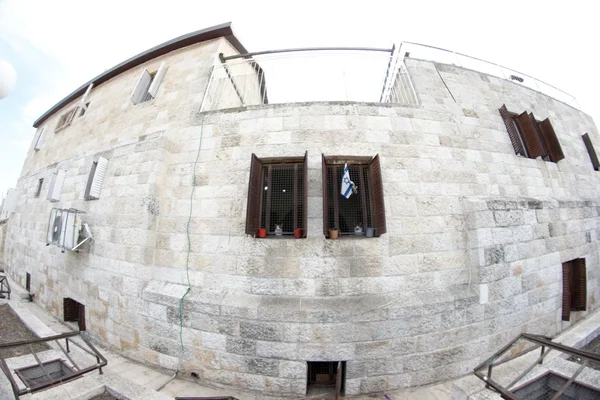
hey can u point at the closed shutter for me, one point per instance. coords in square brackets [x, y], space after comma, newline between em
[70, 309]
[549, 136]
[254, 196]
[10, 202]
[566, 292]
[530, 135]
[56, 185]
[578, 285]
[141, 88]
[81, 316]
[591, 151]
[305, 194]
[377, 197]
[325, 197]
[40, 139]
[512, 131]
[158, 78]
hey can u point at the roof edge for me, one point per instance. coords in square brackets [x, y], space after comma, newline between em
[202, 35]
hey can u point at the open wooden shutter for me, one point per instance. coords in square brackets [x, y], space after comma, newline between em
[554, 149]
[254, 195]
[81, 317]
[512, 131]
[534, 122]
[158, 78]
[530, 135]
[141, 88]
[305, 194]
[325, 196]
[578, 285]
[69, 309]
[591, 151]
[377, 201]
[566, 294]
[338, 380]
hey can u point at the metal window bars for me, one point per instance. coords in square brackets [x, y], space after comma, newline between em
[282, 198]
[349, 214]
[52, 378]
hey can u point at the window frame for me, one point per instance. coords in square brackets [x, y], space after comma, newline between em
[148, 84]
[376, 196]
[38, 191]
[65, 119]
[256, 194]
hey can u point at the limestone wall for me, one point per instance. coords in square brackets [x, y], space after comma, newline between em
[472, 257]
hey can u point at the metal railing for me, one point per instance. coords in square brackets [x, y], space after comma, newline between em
[437, 54]
[302, 75]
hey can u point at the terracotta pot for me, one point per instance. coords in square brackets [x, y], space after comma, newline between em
[298, 233]
[334, 233]
[261, 233]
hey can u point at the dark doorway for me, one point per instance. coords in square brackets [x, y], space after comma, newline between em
[28, 282]
[325, 378]
[74, 312]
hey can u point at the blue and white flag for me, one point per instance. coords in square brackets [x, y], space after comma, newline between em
[347, 185]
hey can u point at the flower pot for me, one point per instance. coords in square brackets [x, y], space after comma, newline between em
[370, 232]
[261, 233]
[334, 233]
[298, 233]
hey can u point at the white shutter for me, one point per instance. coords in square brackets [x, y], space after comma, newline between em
[10, 203]
[158, 78]
[39, 141]
[71, 116]
[56, 185]
[141, 88]
[98, 178]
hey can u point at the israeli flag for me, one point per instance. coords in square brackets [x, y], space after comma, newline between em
[347, 185]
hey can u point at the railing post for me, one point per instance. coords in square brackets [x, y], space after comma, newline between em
[490, 367]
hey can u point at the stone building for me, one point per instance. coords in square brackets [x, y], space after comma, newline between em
[472, 238]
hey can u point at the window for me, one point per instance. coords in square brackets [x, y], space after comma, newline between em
[39, 187]
[591, 151]
[364, 208]
[148, 84]
[532, 138]
[574, 296]
[40, 139]
[65, 119]
[277, 196]
[56, 185]
[83, 109]
[95, 179]
[325, 378]
[74, 312]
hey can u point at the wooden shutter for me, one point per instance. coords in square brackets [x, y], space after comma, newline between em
[566, 294]
[325, 196]
[305, 194]
[535, 123]
[254, 196]
[578, 285]
[56, 185]
[158, 78]
[377, 202]
[549, 136]
[141, 88]
[96, 179]
[531, 138]
[70, 311]
[81, 316]
[338, 380]
[512, 131]
[40, 139]
[591, 151]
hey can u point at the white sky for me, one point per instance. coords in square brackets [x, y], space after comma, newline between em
[58, 45]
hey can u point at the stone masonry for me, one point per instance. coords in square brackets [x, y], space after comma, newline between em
[472, 257]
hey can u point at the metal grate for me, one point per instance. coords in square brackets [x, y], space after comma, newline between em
[44, 373]
[282, 198]
[356, 211]
[548, 385]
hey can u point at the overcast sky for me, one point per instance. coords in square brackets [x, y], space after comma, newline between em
[56, 46]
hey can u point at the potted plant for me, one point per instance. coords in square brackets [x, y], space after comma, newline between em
[261, 233]
[298, 233]
[334, 233]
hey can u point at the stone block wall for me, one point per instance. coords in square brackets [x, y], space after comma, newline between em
[472, 257]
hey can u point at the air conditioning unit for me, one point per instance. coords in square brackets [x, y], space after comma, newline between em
[65, 229]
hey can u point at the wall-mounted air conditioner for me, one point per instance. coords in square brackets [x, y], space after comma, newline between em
[66, 230]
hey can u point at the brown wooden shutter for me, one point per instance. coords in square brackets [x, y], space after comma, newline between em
[81, 316]
[254, 195]
[305, 194]
[530, 135]
[536, 125]
[566, 294]
[325, 197]
[578, 285]
[70, 313]
[554, 149]
[591, 151]
[377, 201]
[512, 131]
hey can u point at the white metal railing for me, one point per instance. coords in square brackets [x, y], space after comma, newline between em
[426, 52]
[288, 77]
